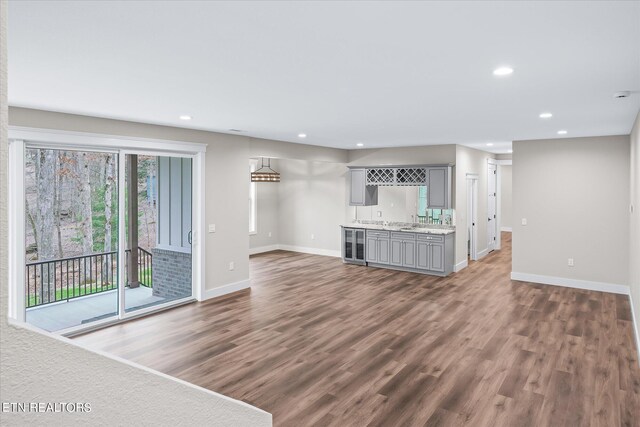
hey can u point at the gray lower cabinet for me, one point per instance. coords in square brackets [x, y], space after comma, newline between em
[430, 256]
[418, 252]
[403, 250]
[378, 247]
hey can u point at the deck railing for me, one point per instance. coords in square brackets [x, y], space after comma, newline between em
[67, 278]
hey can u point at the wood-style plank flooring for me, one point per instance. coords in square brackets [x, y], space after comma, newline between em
[317, 342]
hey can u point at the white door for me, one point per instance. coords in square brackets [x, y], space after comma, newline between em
[491, 207]
[472, 216]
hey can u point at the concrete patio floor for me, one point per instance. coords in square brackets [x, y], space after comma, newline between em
[66, 314]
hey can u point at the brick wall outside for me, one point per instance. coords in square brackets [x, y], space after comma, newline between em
[171, 274]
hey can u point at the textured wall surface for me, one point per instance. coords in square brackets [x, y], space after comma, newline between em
[37, 367]
[171, 273]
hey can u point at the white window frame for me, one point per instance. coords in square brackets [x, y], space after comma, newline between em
[253, 199]
[21, 137]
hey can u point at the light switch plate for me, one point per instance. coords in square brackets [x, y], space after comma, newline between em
[570, 262]
[524, 221]
[212, 228]
[231, 266]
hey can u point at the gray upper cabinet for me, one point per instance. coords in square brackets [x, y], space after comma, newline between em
[439, 187]
[365, 183]
[361, 193]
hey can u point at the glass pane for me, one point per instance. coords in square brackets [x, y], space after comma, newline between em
[348, 243]
[158, 229]
[360, 245]
[71, 238]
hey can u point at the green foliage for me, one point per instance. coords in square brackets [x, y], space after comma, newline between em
[99, 219]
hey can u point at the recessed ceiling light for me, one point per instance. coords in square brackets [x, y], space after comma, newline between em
[185, 117]
[562, 132]
[360, 144]
[546, 115]
[302, 135]
[489, 144]
[502, 71]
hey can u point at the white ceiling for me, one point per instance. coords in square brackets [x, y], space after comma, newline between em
[384, 74]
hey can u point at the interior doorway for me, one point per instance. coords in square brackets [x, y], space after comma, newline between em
[472, 217]
[492, 222]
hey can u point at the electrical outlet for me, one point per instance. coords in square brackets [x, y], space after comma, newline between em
[212, 228]
[570, 262]
[313, 236]
[524, 221]
[269, 234]
[232, 265]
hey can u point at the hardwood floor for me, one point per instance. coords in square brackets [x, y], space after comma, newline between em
[320, 342]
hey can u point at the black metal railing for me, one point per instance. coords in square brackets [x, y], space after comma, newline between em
[67, 278]
[145, 265]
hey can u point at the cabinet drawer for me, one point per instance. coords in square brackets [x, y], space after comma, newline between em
[403, 236]
[377, 233]
[431, 237]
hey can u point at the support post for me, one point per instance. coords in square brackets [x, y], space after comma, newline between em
[132, 229]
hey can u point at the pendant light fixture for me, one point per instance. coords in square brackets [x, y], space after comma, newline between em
[265, 173]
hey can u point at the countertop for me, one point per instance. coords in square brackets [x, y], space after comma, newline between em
[421, 228]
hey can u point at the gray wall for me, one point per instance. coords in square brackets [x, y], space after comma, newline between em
[311, 200]
[574, 194]
[634, 222]
[427, 155]
[119, 393]
[506, 199]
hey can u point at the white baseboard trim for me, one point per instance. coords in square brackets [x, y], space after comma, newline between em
[313, 251]
[507, 229]
[459, 266]
[226, 289]
[635, 326]
[262, 249]
[483, 253]
[613, 288]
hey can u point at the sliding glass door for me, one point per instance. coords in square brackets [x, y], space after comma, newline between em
[158, 230]
[71, 238]
[107, 235]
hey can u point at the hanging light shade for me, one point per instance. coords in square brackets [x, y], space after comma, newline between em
[265, 173]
